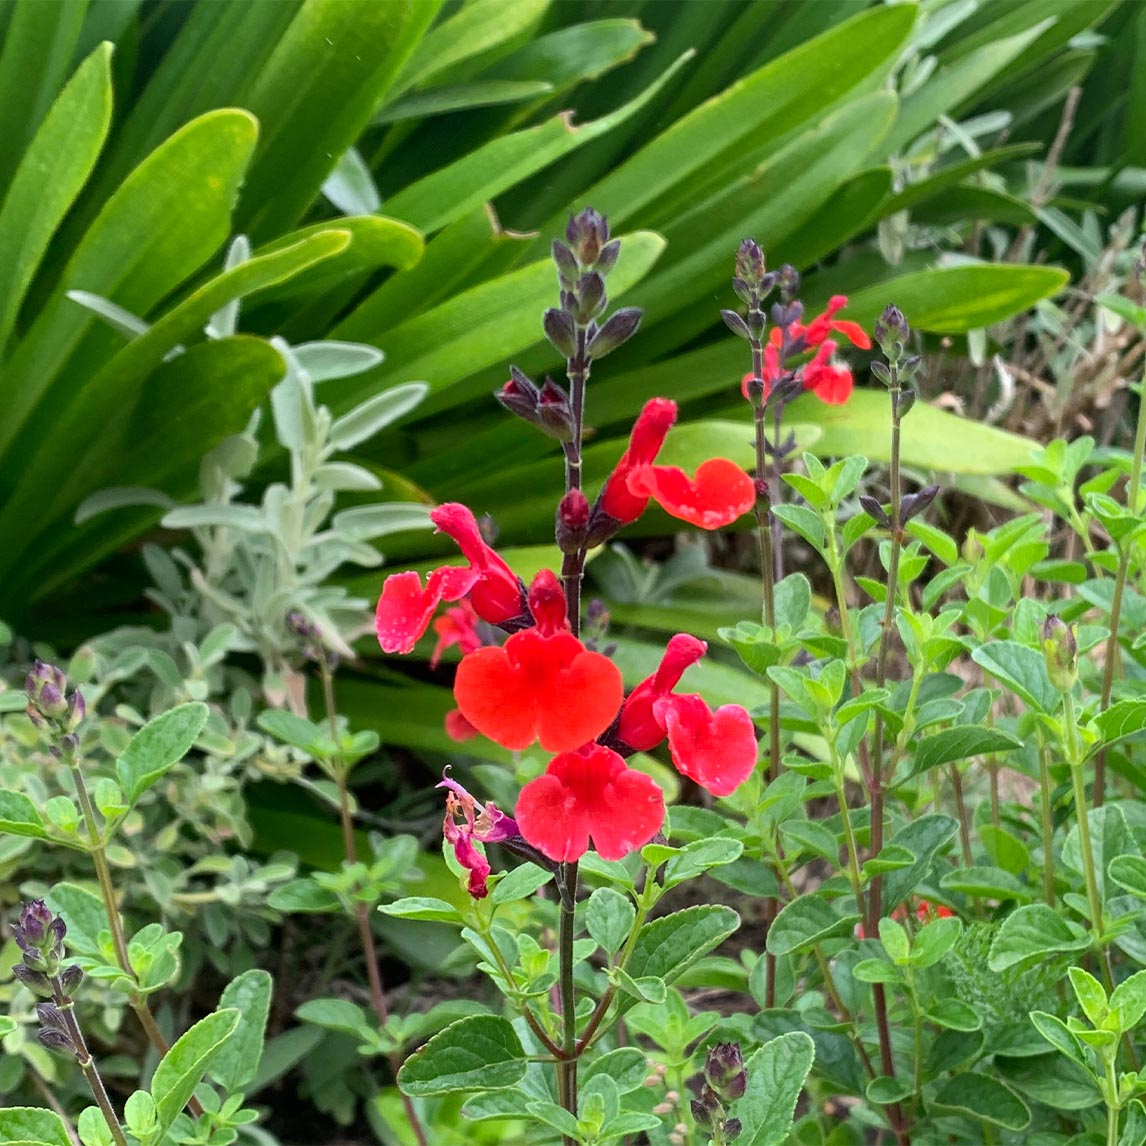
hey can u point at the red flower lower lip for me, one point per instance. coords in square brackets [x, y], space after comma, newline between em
[719, 494]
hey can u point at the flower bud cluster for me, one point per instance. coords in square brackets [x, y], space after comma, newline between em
[723, 1081]
[40, 936]
[1060, 651]
[51, 706]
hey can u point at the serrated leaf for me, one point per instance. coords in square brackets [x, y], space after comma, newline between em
[804, 922]
[182, 1068]
[31, 1126]
[18, 815]
[236, 1062]
[478, 1053]
[1022, 670]
[1030, 933]
[161, 743]
[980, 1096]
[667, 947]
[609, 918]
[776, 1074]
[960, 743]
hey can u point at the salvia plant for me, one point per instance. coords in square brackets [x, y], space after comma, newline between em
[908, 827]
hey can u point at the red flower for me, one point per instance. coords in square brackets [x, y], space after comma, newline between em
[405, 608]
[489, 826]
[456, 627]
[823, 324]
[590, 794]
[639, 727]
[542, 684]
[717, 749]
[649, 433]
[719, 494]
[831, 384]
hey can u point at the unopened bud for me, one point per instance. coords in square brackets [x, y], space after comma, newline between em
[891, 328]
[559, 329]
[70, 979]
[724, 1070]
[789, 279]
[587, 234]
[750, 262]
[616, 330]
[572, 521]
[1060, 651]
[567, 269]
[54, 1039]
[972, 548]
[732, 1128]
[36, 981]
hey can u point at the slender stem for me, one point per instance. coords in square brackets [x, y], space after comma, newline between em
[768, 544]
[362, 910]
[849, 834]
[875, 891]
[119, 938]
[1078, 782]
[567, 1069]
[1047, 825]
[87, 1064]
[1112, 1107]
[961, 809]
[1111, 661]
[777, 468]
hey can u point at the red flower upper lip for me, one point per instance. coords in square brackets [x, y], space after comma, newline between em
[589, 794]
[648, 435]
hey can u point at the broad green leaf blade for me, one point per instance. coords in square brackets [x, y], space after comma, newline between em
[169, 216]
[235, 1064]
[923, 838]
[609, 917]
[805, 922]
[776, 99]
[776, 1074]
[1032, 932]
[668, 946]
[31, 1126]
[83, 912]
[1126, 718]
[1022, 670]
[954, 300]
[479, 27]
[315, 95]
[440, 198]
[983, 1097]
[482, 1052]
[1129, 872]
[182, 1068]
[161, 743]
[18, 816]
[461, 97]
[49, 178]
[960, 744]
[37, 51]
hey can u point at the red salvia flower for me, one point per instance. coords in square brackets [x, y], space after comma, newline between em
[824, 324]
[405, 608]
[831, 384]
[543, 684]
[456, 626]
[719, 494]
[717, 749]
[489, 826]
[649, 433]
[590, 794]
[639, 726]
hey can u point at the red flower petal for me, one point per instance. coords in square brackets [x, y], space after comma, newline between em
[455, 627]
[496, 592]
[539, 688]
[716, 497]
[589, 794]
[639, 727]
[547, 603]
[853, 332]
[716, 749]
[458, 728]
[649, 432]
[405, 608]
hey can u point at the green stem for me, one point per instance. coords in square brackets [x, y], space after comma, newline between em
[1080, 806]
[567, 1068]
[1111, 660]
[1047, 825]
[854, 873]
[361, 909]
[87, 1064]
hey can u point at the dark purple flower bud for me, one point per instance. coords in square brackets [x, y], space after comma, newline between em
[55, 1040]
[590, 295]
[724, 1070]
[70, 979]
[554, 415]
[732, 1128]
[750, 262]
[736, 324]
[880, 370]
[35, 920]
[915, 503]
[789, 279]
[559, 329]
[567, 269]
[36, 981]
[618, 328]
[891, 327]
[51, 1016]
[904, 400]
[519, 395]
[743, 290]
[607, 259]
[77, 710]
[572, 521]
[587, 233]
[873, 509]
[833, 624]
[1060, 651]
